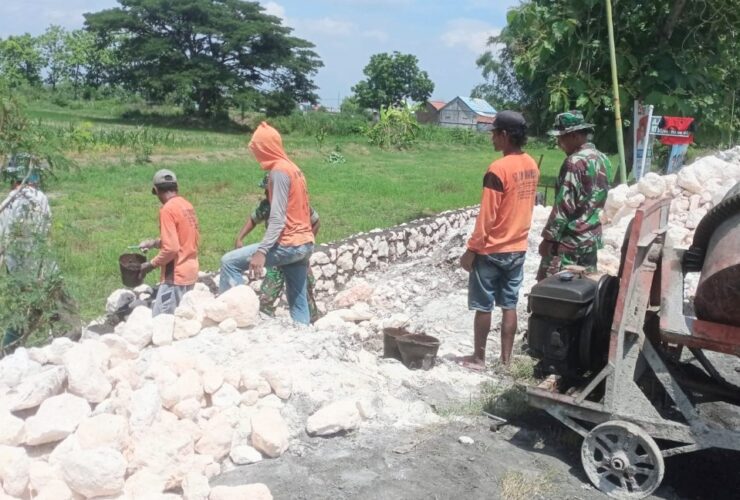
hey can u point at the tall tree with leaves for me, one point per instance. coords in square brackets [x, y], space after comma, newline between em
[678, 55]
[20, 60]
[391, 80]
[54, 54]
[209, 49]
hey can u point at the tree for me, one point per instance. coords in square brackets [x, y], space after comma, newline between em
[210, 49]
[680, 56]
[391, 80]
[20, 60]
[53, 52]
[81, 54]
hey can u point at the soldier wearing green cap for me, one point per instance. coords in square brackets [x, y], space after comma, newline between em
[274, 280]
[572, 235]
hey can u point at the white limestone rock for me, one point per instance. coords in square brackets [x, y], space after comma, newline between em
[16, 367]
[651, 185]
[138, 328]
[32, 391]
[166, 450]
[226, 396]
[244, 455]
[333, 418]
[163, 329]
[57, 418]
[96, 472]
[118, 349]
[104, 430]
[280, 382]
[228, 325]
[57, 349]
[195, 487]
[344, 262]
[250, 398]
[243, 305]
[118, 300]
[145, 407]
[319, 258]
[55, 490]
[186, 328]
[187, 409]
[216, 438]
[11, 429]
[213, 379]
[144, 484]
[85, 376]
[14, 466]
[270, 433]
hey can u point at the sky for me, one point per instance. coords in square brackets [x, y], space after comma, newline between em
[447, 36]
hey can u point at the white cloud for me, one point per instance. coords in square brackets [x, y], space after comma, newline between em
[470, 34]
[326, 26]
[274, 9]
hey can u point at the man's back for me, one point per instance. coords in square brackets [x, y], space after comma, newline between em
[509, 190]
[179, 228]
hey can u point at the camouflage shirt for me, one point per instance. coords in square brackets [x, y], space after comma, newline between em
[261, 213]
[580, 195]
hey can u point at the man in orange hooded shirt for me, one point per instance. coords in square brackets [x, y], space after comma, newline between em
[288, 240]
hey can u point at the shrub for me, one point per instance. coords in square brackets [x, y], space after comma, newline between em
[396, 128]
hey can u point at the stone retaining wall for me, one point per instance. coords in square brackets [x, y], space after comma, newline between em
[333, 264]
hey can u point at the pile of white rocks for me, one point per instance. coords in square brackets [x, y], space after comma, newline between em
[693, 191]
[161, 405]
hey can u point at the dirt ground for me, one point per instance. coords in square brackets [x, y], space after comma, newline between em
[539, 460]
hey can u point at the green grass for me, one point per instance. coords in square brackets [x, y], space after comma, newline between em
[105, 205]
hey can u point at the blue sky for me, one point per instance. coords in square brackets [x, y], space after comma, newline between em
[446, 36]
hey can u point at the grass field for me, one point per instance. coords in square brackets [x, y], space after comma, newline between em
[105, 205]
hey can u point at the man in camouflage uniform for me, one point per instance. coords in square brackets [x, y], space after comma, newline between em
[572, 235]
[274, 280]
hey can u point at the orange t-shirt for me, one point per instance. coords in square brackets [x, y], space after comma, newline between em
[509, 189]
[179, 235]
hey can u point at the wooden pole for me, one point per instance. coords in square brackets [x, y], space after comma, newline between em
[615, 90]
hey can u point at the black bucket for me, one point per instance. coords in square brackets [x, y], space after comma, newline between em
[390, 344]
[418, 350]
[130, 264]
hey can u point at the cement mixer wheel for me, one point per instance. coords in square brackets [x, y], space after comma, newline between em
[622, 460]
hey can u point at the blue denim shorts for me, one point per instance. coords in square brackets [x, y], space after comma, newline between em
[495, 281]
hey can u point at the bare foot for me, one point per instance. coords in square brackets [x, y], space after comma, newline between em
[471, 363]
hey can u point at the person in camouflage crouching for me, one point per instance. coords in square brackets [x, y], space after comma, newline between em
[274, 280]
[572, 234]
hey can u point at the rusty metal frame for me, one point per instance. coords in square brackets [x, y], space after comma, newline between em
[651, 272]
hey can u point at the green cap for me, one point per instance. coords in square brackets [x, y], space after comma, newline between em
[568, 122]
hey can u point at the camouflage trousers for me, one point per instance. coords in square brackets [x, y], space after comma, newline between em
[272, 289]
[555, 263]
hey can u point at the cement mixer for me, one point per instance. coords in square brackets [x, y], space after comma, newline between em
[638, 378]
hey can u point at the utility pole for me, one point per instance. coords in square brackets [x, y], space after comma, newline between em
[615, 90]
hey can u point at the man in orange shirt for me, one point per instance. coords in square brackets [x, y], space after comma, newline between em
[288, 240]
[495, 254]
[177, 243]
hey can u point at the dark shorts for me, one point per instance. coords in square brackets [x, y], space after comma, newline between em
[495, 281]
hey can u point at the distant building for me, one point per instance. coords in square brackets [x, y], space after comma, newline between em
[467, 112]
[430, 112]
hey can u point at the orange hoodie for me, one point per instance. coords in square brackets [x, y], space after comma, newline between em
[287, 192]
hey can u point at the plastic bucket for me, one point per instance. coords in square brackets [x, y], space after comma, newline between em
[390, 344]
[418, 350]
[130, 264]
